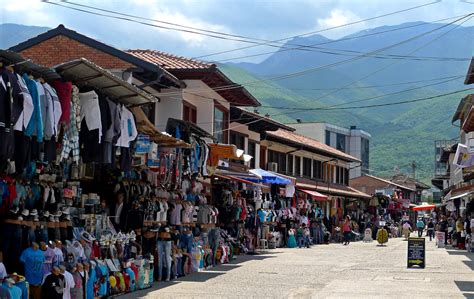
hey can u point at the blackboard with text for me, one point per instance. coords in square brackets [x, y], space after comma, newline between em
[416, 252]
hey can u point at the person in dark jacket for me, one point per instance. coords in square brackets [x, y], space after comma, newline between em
[53, 285]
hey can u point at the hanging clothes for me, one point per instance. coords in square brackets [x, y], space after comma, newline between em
[71, 133]
[35, 126]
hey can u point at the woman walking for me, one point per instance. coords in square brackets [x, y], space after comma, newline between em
[346, 230]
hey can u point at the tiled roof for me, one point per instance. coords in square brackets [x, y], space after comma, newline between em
[169, 61]
[388, 182]
[311, 143]
[332, 189]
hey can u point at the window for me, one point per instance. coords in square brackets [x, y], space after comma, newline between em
[252, 151]
[338, 173]
[239, 141]
[278, 157]
[189, 112]
[297, 166]
[220, 124]
[365, 148]
[307, 167]
[341, 142]
[346, 177]
[317, 174]
[290, 165]
[328, 138]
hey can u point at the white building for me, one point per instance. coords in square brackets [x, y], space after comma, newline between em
[352, 141]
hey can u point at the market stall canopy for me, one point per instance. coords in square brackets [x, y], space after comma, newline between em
[423, 207]
[267, 177]
[186, 129]
[145, 126]
[22, 65]
[82, 72]
[238, 176]
[315, 195]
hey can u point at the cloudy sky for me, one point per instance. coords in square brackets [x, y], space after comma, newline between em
[265, 20]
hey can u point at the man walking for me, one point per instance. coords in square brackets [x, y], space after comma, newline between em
[420, 225]
[431, 228]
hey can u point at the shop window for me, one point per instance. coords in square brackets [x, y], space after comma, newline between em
[279, 158]
[307, 167]
[317, 171]
[252, 151]
[221, 123]
[290, 165]
[341, 142]
[189, 112]
[297, 166]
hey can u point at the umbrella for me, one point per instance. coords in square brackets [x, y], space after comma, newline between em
[424, 207]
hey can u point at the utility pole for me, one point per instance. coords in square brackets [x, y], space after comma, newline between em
[413, 168]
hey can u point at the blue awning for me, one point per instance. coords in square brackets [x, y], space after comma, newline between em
[267, 177]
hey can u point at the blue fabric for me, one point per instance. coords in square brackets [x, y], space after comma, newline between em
[24, 289]
[186, 242]
[90, 285]
[268, 177]
[141, 278]
[33, 261]
[36, 123]
[132, 279]
[262, 215]
[104, 280]
[14, 291]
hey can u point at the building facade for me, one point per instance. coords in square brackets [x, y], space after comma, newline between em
[352, 141]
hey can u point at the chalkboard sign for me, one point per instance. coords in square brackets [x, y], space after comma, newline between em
[416, 252]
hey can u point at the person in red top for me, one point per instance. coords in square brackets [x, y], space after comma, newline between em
[346, 229]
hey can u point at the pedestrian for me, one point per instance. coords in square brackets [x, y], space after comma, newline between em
[53, 286]
[420, 226]
[443, 227]
[406, 230]
[69, 282]
[291, 238]
[306, 234]
[33, 259]
[299, 236]
[430, 230]
[346, 230]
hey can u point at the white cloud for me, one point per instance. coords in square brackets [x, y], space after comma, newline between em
[338, 17]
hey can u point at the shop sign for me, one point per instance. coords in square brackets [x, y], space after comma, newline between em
[416, 252]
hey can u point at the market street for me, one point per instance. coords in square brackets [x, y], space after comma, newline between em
[360, 270]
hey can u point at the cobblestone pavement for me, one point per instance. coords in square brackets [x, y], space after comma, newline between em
[360, 270]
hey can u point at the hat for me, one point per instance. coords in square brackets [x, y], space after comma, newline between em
[9, 280]
[87, 237]
[65, 211]
[25, 213]
[51, 218]
[46, 214]
[36, 218]
[34, 212]
[15, 210]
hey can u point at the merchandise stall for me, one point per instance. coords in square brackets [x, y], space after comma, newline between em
[90, 178]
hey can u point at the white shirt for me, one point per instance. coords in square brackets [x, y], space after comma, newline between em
[90, 111]
[54, 108]
[69, 285]
[3, 271]
[118, 211]
[128, 130]
[28, 107]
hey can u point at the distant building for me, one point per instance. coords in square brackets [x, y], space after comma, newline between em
[352, 141]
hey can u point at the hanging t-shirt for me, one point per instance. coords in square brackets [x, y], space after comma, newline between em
[3, 271]
[90, 285]
[104, 278]
[49, 256]
[14, 291]
[53, 287]
[33, 261]
[90, 111]
[58, 256]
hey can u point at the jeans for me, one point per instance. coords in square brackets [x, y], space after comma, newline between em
[301, 241]
[11, 247]
[42, 234]
[186, 242]
[431, 234]
[164, 253]
[420, 232]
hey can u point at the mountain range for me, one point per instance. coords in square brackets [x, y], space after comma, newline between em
[418, 60]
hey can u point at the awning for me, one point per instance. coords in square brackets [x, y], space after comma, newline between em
[85, 73]
[269, 177]
[424, 207]
[186, 129]
[145, 126]
[315, 195]
[22, 65]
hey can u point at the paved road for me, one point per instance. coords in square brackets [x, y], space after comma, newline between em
[360, 270]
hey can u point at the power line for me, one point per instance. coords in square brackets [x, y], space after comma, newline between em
[374, 97]
[338, 40]
[326, 29]
[239, 38]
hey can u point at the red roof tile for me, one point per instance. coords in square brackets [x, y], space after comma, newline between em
[332, 189]
[309, 142]
[169, 61]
